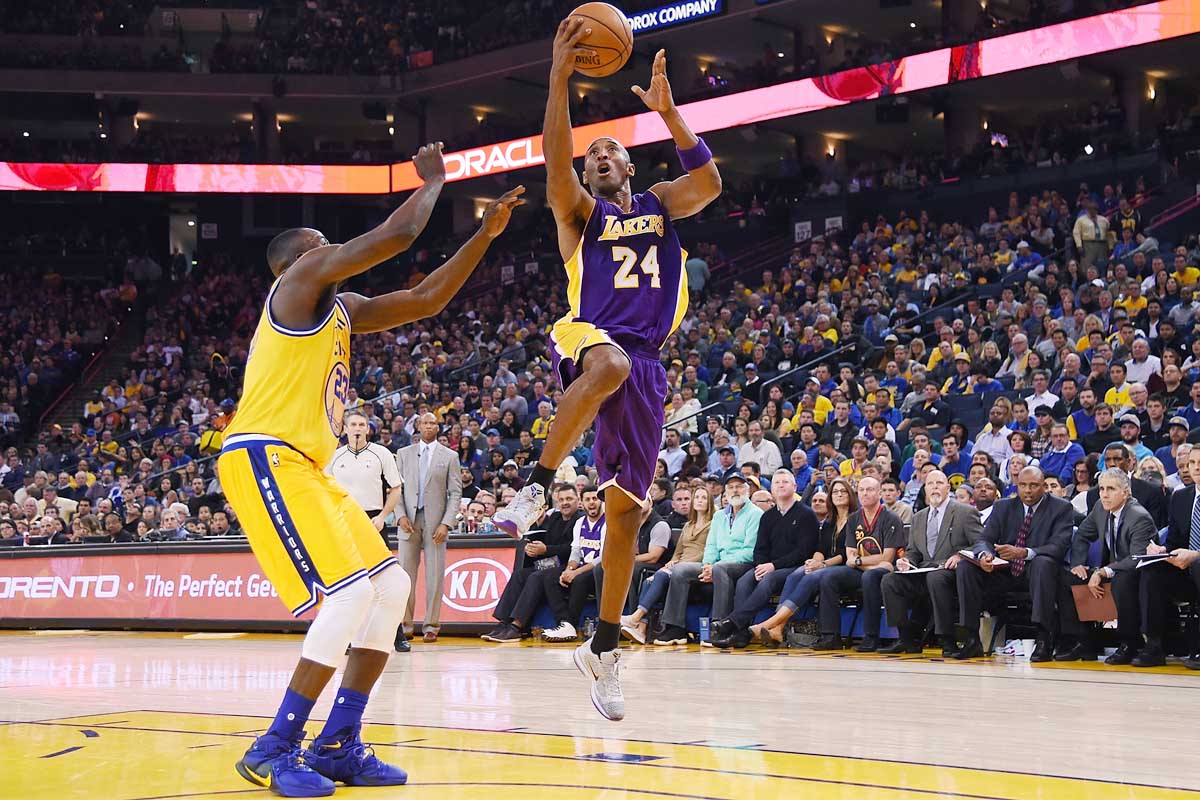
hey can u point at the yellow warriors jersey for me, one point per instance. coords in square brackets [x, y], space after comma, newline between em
[297, 382]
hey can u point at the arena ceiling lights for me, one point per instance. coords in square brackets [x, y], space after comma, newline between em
[1068, 40]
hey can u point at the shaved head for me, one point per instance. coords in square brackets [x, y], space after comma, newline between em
[287, 247]
[608, 139]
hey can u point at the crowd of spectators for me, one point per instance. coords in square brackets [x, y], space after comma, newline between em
[973, 349]
[49, 331]
[376, 37]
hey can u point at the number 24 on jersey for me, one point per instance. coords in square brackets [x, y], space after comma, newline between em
[626, 278]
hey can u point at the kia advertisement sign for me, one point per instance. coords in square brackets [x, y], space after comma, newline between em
[210, 587]
[471, 585]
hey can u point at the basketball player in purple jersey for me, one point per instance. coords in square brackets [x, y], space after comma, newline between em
[628, 292]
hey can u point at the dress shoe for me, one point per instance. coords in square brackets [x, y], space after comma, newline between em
[828, 642]
[1124, 655]
[721, 629]
[1150, 656]
[430, 637]
[869, 644]
[971, 648]
[899, 647]
[402, 645]
[1042, 652]
[1192, 662]
[740, 639]
[1079, 651]
[949, 647]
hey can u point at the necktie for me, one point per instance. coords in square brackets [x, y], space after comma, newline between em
[935, 523]
[422, 472]
[1110, 538]
[1194, 534]
[1018, 564]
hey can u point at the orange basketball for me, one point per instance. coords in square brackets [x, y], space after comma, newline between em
[611, 39]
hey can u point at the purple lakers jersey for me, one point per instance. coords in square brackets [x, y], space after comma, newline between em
[626, 277]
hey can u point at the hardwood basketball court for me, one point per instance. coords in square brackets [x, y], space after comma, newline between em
[126, 716]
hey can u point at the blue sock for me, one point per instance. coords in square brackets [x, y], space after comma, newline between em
[347, 711]
[293, 713]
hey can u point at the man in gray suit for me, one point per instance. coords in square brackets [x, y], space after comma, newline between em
[428, 508]
[1125, 528]
[957, 528]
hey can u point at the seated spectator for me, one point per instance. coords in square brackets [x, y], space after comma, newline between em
[689, 549]
[875, 534]
[540, 427]
[1161, 586]
[8, 534]
[938, 533]
[788, 534]
[169, 529]
[546, 550]
[728, 554]
[1129, 530]
[568, 590]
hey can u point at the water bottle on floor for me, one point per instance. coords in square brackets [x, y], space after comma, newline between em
[704, 622]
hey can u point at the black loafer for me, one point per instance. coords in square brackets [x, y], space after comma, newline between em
[971, 648]
[826, 643]
[900, 646]
[1124, 655]
[869, 644]
[1042, 652]
[1076, 652]
[1150, 657]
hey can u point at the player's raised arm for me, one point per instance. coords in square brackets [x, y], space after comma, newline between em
[431, 295]
[394, 235]
[568, 199]
[689, 194]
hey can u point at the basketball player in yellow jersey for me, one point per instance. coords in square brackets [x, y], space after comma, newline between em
[312, 540]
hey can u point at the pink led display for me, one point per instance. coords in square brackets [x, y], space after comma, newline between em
[1083, 37]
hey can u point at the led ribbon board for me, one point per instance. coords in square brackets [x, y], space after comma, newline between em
[1082, 37]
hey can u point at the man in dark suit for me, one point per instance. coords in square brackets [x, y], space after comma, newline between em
[1032, 532]
[1150, 495]
[1125, 529]
[1178, 578]
[873, 536]
[955, 527]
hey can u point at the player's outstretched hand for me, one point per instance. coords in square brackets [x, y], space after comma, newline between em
[499, 211]
[429, 162]
[566, 45]
[658, 97]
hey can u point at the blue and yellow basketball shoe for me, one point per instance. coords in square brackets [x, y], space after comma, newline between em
[280, 764]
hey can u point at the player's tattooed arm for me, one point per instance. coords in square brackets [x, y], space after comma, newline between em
[688, 194]
[430, 296]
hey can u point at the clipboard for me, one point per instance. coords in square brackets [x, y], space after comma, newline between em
[1092, 610]
[969, 555]
[1150, 558]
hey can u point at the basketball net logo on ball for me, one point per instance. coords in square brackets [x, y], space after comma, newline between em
[610, 40]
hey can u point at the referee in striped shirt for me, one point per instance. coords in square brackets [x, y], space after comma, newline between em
[362, 468]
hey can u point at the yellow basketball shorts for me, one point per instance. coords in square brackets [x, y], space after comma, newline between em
[309, 536]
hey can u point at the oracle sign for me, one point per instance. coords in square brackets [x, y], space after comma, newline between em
[474, 584]
[1102, 33]
[495, 158]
